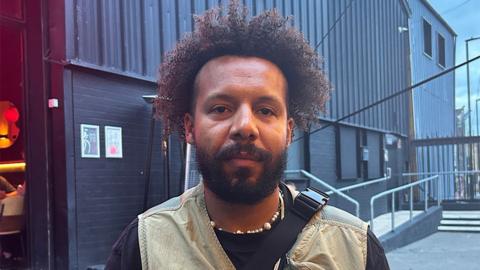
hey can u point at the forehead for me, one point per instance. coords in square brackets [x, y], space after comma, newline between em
[237, 76]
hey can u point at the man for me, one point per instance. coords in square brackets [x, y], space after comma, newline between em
[235, 88]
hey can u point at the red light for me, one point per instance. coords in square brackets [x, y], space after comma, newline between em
[11, 114]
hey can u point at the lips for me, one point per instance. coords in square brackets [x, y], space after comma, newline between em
[243, 161]
[247, 152]
[244, 156]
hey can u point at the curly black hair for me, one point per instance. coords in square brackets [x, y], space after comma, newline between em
[267, 35]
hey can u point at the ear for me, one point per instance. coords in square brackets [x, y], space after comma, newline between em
[188, 126]
[290, 128]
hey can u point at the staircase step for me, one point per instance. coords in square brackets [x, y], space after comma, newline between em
[458, 229]
[461, 222]
[461, 215]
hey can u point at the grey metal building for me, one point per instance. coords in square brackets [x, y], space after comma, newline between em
[432, 51]
[366, 59]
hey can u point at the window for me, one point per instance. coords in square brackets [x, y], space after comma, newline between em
[427, 38]
[441, 50]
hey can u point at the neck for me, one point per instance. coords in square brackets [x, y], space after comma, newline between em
[234, 217]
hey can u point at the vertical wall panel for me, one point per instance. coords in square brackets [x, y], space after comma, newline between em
[361, 55]
[312, 37]
[332, 55]
[169, 24]
[259, 6]
[153, 45]
[111, 38]
[343, 64]
[377, 70]
[199, 7]
[132, 17]
[296, 14]
[383, 55]
[353, 81]
[87, 28]
[365, 60]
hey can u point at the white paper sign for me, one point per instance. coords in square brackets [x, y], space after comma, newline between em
[113, 142]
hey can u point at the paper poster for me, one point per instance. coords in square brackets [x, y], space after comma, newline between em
[113, 142]
[90, 141]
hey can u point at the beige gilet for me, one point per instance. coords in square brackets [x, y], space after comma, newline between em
[177, 235]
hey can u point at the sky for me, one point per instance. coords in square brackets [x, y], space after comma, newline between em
[464, 17]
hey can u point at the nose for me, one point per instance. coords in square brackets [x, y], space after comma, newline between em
[244, 127]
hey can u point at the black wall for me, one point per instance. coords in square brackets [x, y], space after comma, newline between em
[322, 155]
[335, 158]
[109, 193]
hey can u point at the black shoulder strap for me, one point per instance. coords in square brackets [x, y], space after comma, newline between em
[282, 238]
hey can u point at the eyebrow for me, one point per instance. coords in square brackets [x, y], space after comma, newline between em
[229, 98]
[220, 96]
[269, 99]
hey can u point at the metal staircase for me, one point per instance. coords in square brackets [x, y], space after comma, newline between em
[460, 221]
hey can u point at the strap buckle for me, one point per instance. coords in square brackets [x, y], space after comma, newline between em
[309, 201]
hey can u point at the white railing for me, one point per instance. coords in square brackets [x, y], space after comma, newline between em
[440, 173]
[392, 191]
[359, 185]
[340, 191]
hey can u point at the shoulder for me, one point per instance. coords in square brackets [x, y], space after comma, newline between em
[332, 233]
[125, 253]
[335, 216]
[173, 204]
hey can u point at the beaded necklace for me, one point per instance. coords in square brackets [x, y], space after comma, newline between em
[266, 226]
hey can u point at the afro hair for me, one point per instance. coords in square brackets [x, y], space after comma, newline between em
[267, 35]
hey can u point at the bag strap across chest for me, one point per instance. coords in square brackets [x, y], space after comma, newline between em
[282, 239]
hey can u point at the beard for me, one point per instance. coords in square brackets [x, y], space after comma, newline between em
[239, 187]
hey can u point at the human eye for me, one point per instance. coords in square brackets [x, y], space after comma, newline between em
[219, 109]
[266, 111]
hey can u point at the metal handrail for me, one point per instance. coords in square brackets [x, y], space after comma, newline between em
[318, 181]
[440, 173]
[393, 190]
[385, 178]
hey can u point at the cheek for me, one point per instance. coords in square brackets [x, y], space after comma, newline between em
[209, 136]
[275, 138]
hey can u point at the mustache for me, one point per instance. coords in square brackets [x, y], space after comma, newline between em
[231, 151]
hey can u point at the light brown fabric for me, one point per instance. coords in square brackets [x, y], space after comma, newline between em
[177, 235]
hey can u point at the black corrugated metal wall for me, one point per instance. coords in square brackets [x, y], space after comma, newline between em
[365, 55]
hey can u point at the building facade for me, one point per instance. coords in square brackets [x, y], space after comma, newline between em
[98, 59]
[433, 51]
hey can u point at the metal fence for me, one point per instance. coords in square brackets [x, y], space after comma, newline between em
[456, 159]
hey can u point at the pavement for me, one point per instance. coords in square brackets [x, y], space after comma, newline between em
[439, 251]
[383, 223]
